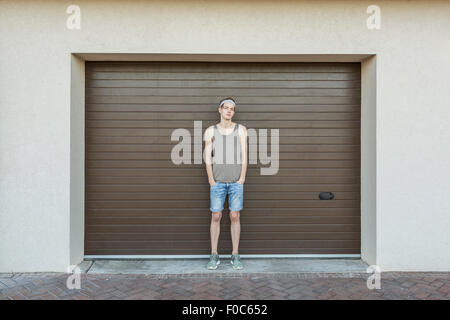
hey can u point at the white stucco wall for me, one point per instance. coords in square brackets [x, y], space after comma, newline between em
[412, 107]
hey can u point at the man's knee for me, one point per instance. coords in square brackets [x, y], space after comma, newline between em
[216, 216]
[234, 216]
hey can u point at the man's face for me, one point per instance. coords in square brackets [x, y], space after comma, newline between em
[227, 110]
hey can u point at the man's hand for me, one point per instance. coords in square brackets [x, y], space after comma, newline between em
[241, 181]
[212, 182]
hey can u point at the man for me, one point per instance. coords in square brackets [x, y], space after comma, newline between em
[226, 176]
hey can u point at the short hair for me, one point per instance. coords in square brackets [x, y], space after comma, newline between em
[228, 98]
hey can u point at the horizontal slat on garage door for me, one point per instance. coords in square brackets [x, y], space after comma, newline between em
[139, 202]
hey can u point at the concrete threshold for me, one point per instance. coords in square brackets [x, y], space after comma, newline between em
[195, 266]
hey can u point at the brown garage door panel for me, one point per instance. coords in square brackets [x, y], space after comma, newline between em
[139, 202]
[223, 248]
[218, 67]
[250, 235]
[346, 140]
[195, 212]
[199, 195]
[263, 110]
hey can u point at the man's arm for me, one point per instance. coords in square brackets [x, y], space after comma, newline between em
[244, 148]
[208, 154]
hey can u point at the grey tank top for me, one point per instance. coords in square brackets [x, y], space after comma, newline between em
[227, 158]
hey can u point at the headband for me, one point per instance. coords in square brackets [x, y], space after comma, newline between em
[228, 100]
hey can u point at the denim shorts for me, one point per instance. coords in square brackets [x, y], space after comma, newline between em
[219, 191]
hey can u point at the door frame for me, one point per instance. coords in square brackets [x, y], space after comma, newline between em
[369, 131]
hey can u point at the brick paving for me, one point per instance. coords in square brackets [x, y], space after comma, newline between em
[210, 286]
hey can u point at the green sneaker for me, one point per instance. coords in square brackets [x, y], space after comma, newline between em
[213, 261]
[236, 261]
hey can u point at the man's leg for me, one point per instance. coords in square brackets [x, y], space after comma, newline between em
[236, 204]
[215, 230]
[217, 198]
[235, 230]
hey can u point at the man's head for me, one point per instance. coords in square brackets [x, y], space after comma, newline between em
[227, 108]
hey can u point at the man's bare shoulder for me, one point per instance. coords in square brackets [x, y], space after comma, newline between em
[209, 132]
[242, 129]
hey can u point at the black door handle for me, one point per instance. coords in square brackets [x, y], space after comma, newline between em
[326, 195]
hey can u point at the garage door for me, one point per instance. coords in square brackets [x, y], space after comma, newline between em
[140, 203]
